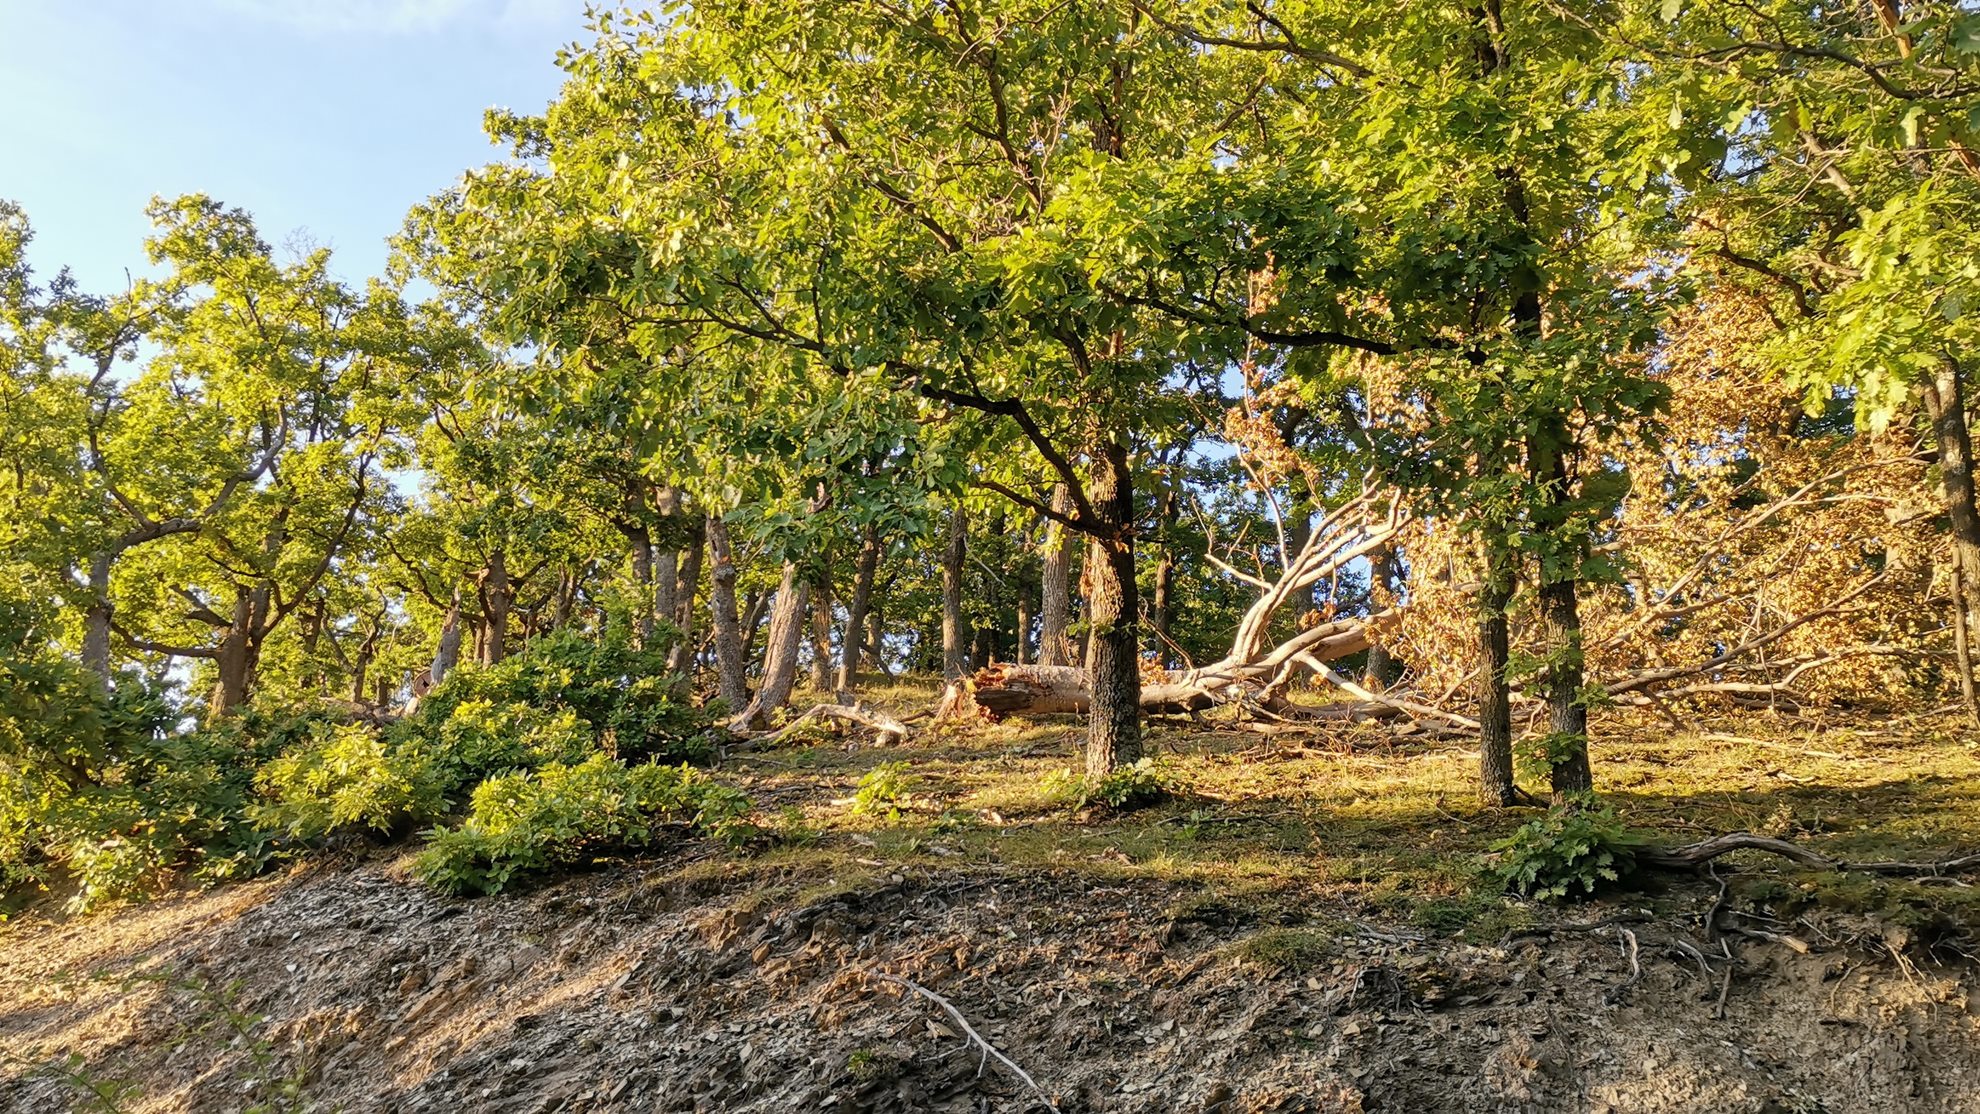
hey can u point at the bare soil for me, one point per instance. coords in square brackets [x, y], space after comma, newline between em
[678, 986]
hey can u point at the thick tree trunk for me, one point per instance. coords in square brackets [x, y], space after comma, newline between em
[96, 621]
[780, 651]
[1945, 403]
[955, 661]
[857, 610]
[1495, 757]
[1113, 734]
[1055, 592]
[231, 662]
[821, 635]
[500, 596]
[730, 664]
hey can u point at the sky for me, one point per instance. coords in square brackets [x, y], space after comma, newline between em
[326, 119]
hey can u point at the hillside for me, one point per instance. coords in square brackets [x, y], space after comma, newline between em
[1296, 929]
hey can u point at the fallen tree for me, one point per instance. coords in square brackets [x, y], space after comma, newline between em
[1257, 667]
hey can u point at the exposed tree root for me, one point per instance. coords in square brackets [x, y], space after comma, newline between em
[1697, 854]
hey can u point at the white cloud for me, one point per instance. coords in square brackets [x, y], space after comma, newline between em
[405, 17]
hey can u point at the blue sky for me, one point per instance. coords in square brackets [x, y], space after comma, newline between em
[328, 118]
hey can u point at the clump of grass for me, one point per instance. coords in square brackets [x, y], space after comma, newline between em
[1288, 951]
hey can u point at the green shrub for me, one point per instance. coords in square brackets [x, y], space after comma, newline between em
[1570, 847]
[529, 822]
[345, 777]
[882, 790]
[624, 695]
[1126, 788]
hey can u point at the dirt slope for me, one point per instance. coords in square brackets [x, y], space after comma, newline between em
[657, 987]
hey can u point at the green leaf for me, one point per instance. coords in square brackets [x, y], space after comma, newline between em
[1671, 9]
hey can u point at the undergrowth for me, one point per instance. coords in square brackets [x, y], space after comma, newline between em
[111, 794]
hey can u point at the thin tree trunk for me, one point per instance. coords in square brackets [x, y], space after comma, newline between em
[1161, 613]
[1495, 757]
[730, 665]
[876, 644]
[1963, 647]
[666, 559]
[857, 610]
[448, 653]
[1567, 715]
[1023, 651]
[684, 610]
[781, 651]
[1945, 403]
[1055, 579]
[954, 653]
[821, 635]
[642, 564]
[752, 621]
[1113, 736]
[1380, 670]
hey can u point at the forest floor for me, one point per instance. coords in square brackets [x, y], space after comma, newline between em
[1301, 928]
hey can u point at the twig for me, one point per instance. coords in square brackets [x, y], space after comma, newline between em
[1725, 988]
[970, 1032]
[1635, 968]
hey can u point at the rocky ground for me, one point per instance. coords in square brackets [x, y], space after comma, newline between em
[722, 983]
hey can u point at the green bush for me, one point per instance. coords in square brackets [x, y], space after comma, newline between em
[346, 776]
[882, 790]
[1129, 787]
[525, 823]
[624, 695]
[1570, 847]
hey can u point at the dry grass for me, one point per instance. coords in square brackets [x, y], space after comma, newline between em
[1360, 819]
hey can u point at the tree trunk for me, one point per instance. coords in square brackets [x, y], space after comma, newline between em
[642, 563]
[1055, 593]
[448, 653]
[500, 595]
[954, 651]
[1161, 613]
[857, 610]
[666, 559]
[1022, 652]
[1945, 403]
[780, 652]
[1567, 715]
[1495, 757]
[96, 622]
[1382, 668]
[230, 687]
[678, 658]
[731, 667]
[1113, 735]
[876, 646]
[821, 635]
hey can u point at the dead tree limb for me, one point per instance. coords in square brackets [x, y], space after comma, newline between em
[887, 730]
[969, 1031]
